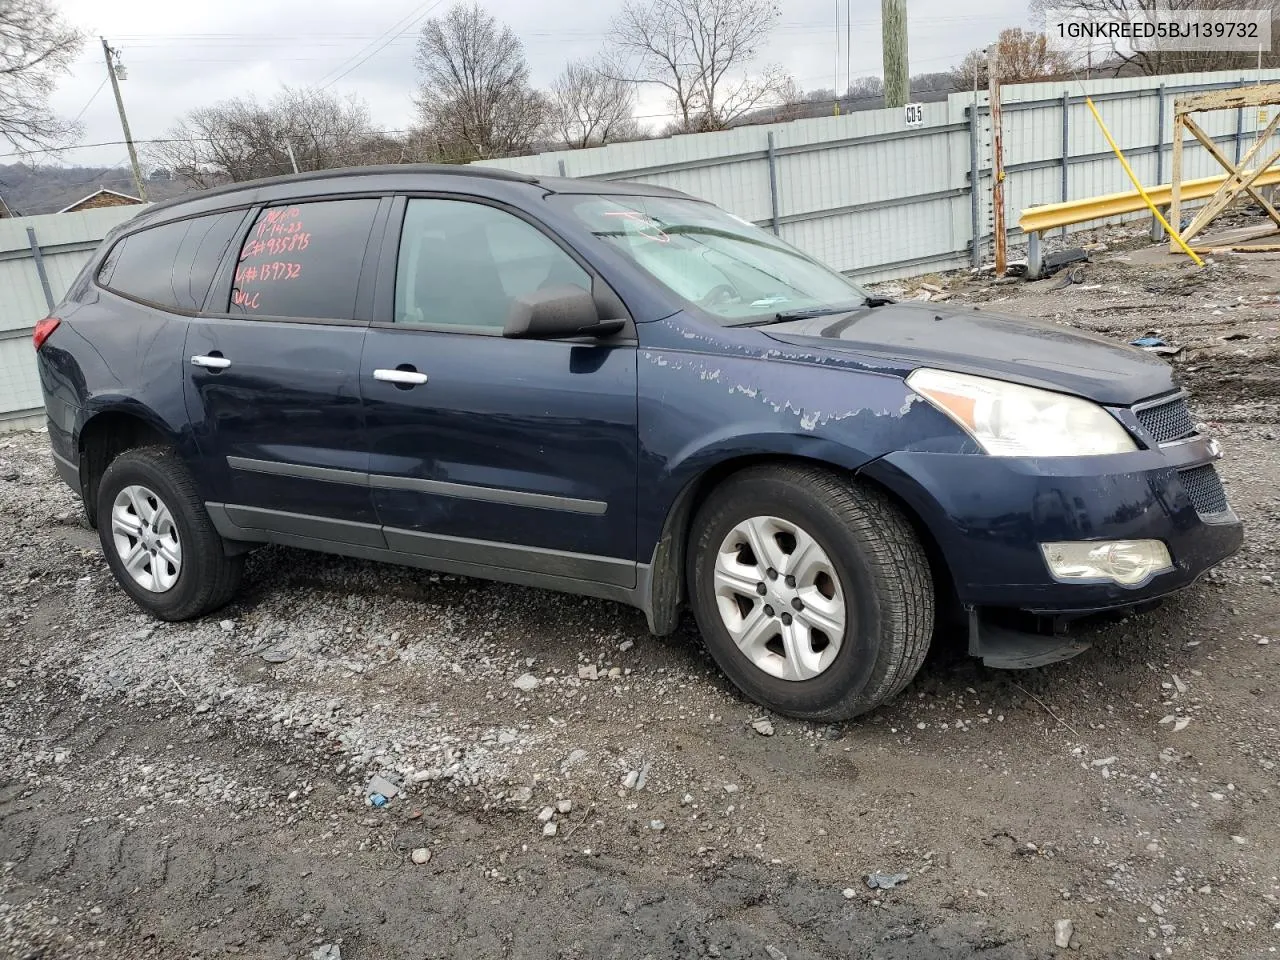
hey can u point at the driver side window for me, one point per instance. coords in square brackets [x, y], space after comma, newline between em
[464, 264]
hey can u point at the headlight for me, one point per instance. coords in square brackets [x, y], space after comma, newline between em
[1010, 420]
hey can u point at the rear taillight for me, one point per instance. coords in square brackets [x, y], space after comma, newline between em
[45, 327]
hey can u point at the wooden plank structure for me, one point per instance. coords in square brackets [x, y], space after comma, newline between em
[1241, 178]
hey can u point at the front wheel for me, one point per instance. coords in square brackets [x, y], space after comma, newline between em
[812, 592]
[158, 539]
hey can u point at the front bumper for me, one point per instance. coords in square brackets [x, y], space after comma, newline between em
[989, 515]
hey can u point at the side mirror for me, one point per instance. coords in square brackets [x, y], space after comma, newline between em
[558, 312]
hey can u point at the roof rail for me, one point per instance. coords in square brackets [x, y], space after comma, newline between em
[449, 169]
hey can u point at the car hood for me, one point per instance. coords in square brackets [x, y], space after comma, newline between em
[969, 341]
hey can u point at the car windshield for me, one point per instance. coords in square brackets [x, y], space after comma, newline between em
[728, 267]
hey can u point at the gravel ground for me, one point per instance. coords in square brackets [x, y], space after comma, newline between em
[557, 783]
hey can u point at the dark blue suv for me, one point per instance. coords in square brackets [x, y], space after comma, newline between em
[620, 391]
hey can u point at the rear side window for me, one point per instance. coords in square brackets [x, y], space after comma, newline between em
[303, 260]
[171, 265]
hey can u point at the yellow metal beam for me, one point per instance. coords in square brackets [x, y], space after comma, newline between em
[1036, 219]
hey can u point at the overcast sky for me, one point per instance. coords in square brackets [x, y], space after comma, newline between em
[181, 55]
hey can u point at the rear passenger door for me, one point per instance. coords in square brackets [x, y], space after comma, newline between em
[518, 454]
[273, 373]
[146, 290]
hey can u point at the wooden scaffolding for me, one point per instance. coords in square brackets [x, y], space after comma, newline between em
[1241, 177]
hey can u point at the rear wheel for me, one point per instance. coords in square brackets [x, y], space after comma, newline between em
[812, 592]
[158, 539]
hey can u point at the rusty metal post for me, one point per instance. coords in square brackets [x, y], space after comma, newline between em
[773, 182]
[999, 241]
[1066, 150]
[38, 256]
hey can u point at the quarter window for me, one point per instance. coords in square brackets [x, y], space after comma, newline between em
[303, 260]
[171, 265]
[464, 264]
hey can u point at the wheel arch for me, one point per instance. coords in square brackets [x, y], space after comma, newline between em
[666, 587]
[109, 432]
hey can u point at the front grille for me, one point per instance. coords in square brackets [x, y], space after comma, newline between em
[1167, 421]
[1205, 490]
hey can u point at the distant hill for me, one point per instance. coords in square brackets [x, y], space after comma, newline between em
[28, 191]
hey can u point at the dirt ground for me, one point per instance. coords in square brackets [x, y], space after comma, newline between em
[202, 789]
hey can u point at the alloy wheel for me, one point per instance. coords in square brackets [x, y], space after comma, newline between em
[146, 538]
[780, 598]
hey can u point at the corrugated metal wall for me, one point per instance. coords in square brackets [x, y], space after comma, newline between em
[863, 192]
[66, 240]
[879, 200]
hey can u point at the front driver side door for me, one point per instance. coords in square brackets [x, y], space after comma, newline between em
[516, 454]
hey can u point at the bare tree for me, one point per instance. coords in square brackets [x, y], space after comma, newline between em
[588, 108]
[937, 82]
[1022, 55]
[475, 91]
[865, 88]
[241, 139]
[36, 45]
[1116, 59]
[698, 51]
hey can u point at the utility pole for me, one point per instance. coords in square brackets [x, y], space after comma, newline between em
[835, 65]
[849, 46]
[292, 159]
[897, 75]
[998, 238]
[112, 73]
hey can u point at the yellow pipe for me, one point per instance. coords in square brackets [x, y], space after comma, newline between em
[1138, 186]
[1050, 215]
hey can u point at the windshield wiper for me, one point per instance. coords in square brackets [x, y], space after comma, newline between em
[807, 313]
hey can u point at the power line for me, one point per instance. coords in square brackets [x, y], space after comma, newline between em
[389, 133]
[89, 103]
[309, 38]
[120, 143]
[862, 98]
[404, 23]
[121, 166]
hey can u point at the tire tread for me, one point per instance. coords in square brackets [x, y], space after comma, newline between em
[893, 551]
[219, 575]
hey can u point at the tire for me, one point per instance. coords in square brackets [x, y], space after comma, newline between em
[206, 578]
[874, 569]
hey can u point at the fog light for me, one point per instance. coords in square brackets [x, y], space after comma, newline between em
[1123, 561]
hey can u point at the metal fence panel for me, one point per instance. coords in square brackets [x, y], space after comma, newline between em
[863, 192]
[880, 200]
[66, 242]
[20, 399]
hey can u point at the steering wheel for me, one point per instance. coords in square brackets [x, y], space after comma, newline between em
[721, 293]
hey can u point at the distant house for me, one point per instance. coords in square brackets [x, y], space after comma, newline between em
[101, 198]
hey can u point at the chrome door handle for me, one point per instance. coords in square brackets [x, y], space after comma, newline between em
[211, 363]
[408, 377]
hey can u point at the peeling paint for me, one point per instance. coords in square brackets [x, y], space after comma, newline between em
[809, 420]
